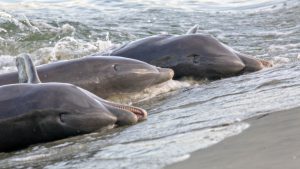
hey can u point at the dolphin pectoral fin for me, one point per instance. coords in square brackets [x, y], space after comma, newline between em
[193, 30]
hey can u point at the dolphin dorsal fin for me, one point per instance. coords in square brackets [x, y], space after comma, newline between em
[193, 30]
[31, 72]
[22, 75]
[24, 61]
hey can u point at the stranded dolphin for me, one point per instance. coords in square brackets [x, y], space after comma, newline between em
[37, 112]
[197, 55]
[102, 75]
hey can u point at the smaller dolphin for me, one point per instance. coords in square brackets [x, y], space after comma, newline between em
[196, 55]
[35, 112]
[102, 75]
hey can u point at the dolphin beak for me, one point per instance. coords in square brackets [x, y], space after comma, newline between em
[165, 75]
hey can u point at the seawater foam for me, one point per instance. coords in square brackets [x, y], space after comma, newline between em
[70, 48]
[151, 92]
[18, 34]
[3, 30]
[280, 60]
[284, 53]
[7, 63]
[65, 49]
[278, 48]
[20, 21]
[5, 17]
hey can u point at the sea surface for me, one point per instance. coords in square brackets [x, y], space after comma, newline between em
[191, 115]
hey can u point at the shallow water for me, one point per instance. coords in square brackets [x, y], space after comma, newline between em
[180, 121]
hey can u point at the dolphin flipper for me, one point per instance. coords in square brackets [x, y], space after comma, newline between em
[193, 30]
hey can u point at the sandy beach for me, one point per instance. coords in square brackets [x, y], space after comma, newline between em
[271, 142]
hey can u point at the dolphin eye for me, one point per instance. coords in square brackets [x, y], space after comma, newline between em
[194, 58]
[116, 67]
[62, 116]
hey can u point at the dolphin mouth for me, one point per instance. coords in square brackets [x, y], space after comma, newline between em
[140, 113]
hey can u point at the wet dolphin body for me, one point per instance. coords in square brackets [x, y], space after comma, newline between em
[197, 55]
[101, 75]
[40, 112]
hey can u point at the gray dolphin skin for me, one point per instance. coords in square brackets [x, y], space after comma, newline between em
[101, 75]
[196, 55]
[35, 112]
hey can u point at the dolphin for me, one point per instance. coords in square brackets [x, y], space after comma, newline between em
[102, 75]
[32, 112]
[196, 55]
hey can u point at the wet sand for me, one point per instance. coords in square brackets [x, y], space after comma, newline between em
[271, 142]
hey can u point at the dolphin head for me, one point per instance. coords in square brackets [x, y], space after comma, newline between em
[131, 75]
[203, 56]
[76, 110]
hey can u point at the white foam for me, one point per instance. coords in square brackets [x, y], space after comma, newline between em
[285, 47]
[69, 48]
[30, 26]
[5, 17]
[43, 56]
[7, 63]
[280, 60]
[3, 30]
[152, 91]
[68, 29]
[65, 49]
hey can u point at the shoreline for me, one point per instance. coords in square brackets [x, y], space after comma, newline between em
[271, 141]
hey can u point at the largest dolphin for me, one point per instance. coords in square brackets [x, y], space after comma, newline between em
[197, 55]
[102, 75]
[39, 112]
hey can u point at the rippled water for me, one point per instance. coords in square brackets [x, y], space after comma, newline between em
[182, 121]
